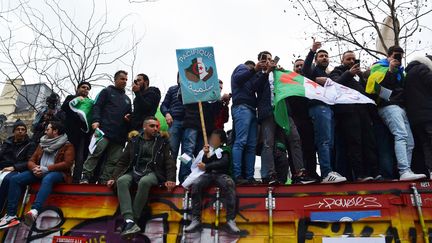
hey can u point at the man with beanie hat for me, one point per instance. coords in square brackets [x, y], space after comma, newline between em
[50, 164]
[78, 121]
[418, 101]
[14, 154]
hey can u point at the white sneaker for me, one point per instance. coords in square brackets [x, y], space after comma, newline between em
[410, 176]
[430, 176]
[30, 217]
[333, 177]
[8, 222]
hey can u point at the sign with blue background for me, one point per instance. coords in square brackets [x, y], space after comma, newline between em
[198, 76]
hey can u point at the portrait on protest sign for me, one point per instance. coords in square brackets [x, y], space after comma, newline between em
[198, 76]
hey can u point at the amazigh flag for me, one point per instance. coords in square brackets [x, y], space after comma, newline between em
[83, 107]
[378, 72]
[287, 83]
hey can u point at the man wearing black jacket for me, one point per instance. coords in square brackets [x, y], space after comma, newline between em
[77, 129]
[111, 114]
[146, 162]
[355, 123]
[146, 100]
[418, 93]
[216, 164]
[14, 155]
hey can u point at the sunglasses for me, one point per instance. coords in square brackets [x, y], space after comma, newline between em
[297, 66]
[85, 87]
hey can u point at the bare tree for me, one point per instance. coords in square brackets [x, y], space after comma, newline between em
[57, 49]
[360, 23]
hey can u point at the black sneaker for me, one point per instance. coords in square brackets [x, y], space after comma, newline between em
[303, 178]
[273, 180]
[129, 229]
[241, 181]
[252, 181]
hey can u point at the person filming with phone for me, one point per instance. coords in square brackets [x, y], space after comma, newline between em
[386, 83]
[354, 122]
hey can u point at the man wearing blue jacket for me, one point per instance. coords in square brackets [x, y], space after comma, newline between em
[244, 106]
[173, 110]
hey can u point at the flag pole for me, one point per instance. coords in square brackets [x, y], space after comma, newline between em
[202, 123]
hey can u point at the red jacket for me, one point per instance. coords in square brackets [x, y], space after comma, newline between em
[222, 117]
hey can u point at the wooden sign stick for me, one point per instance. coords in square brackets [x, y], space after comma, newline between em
[202, 123]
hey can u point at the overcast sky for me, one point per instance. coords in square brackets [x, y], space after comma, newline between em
[238, 30]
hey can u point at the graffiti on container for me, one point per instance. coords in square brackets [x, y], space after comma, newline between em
[359, 201]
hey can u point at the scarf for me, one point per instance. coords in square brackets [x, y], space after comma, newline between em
[51, 145]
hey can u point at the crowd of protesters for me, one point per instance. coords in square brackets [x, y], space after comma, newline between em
[349, 142]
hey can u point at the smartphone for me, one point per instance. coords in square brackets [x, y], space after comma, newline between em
[263, 57]
[136, 82]
[398, 56]
[276, 60]
[357, 61]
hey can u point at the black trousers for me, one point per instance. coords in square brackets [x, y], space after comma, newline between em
[423, 134]
[306, 132]
[356, 129]
[227, 189]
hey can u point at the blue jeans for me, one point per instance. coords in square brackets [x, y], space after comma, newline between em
[395, 119]
[25, 178]
[192, 143]
[323, 122]
[4, 188]
[245, 128]
[176, 135]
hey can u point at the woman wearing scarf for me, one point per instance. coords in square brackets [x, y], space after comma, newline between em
[50, 164]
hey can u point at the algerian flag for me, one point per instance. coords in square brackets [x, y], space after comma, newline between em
[83, 107]
[287, 83]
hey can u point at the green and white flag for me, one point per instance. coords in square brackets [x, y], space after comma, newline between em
[83, 107]
[288, 83]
